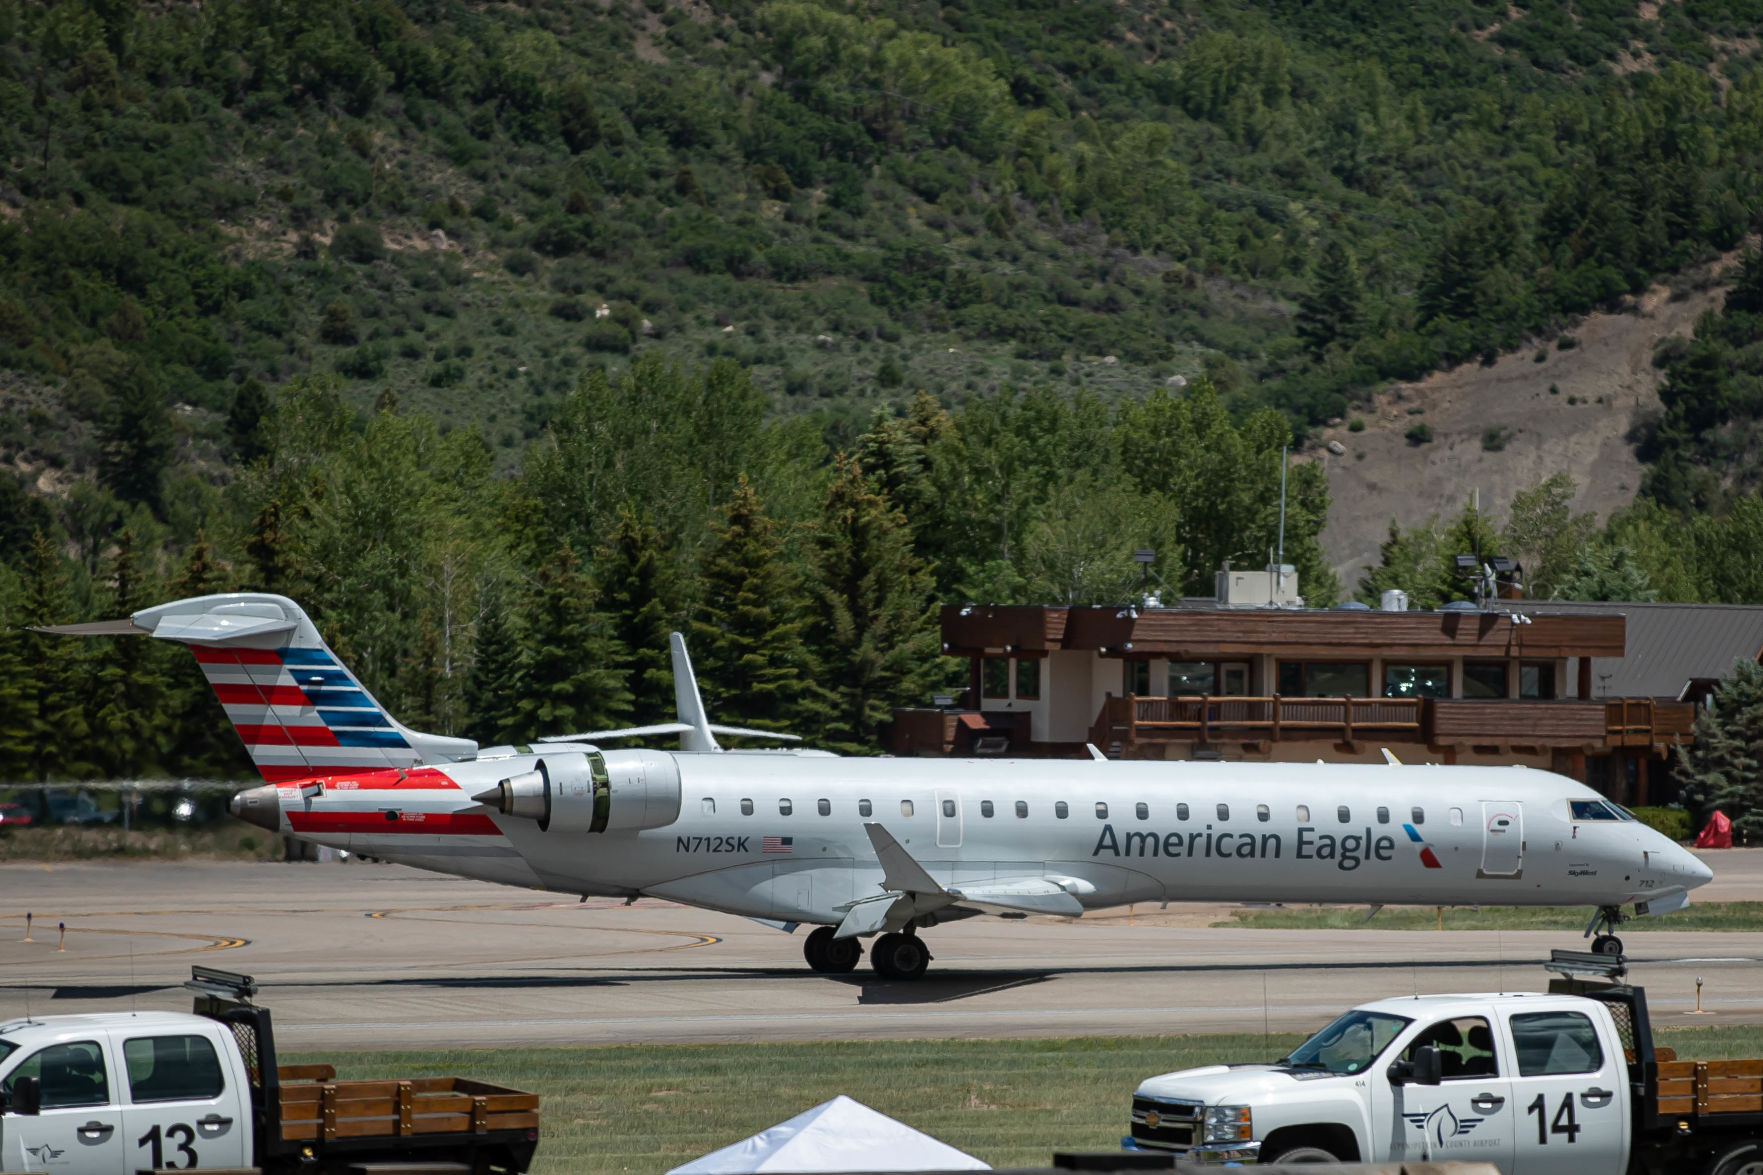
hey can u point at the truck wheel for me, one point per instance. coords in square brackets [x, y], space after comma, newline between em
[1302, 1153]
[1744, 1158]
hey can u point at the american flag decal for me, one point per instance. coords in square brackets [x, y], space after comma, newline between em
[776, 844]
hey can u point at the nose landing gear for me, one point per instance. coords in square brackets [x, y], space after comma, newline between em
[1607, 918]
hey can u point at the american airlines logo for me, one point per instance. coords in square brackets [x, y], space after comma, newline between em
[1427, 856]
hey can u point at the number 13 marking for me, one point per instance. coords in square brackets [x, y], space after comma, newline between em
[155, 1143]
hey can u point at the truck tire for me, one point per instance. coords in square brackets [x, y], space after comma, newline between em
[1301, 1153]
[1741, 1158]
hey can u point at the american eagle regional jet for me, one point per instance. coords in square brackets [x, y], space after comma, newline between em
[886, 848]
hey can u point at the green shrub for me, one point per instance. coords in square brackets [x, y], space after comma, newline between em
[1672, 822]
[358, 242]
[1566, 343]
[607, 335]
[1420, 434]
[519, 262]
[1493, 439]
[1357, 424]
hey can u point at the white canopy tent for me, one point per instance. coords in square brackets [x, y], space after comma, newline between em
[840, 1135]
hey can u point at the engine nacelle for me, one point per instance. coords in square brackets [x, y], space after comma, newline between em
[596, 791]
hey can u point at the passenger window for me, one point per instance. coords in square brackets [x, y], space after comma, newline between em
[985, 809]
[709, 806]
[1383, 815]
[172, 1069]
[1224, 811]
[1061, 809]
[1303, 813]
[1263, 813]
[864, 808]
[1466, 1047]
[784, 807]
[67, 1074]
[1548, 1043]
[1418, 816]
[824, 807]
[949, 808]
[905, 807]
[1181, 811]
[1344, 814]
[746, 807]
[1022, 809]
[1456, 816]
[1142, 811]
[1101, 811]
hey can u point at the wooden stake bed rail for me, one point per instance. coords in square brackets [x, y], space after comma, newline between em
[1692, 1088]
[320, 1108]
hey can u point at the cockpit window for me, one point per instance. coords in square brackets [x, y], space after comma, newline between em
[1621, 812]
[1350, 1044]
[1591, 810]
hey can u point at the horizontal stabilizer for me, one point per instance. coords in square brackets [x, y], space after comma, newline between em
[123, 627]
[749, 732]
[622, 732]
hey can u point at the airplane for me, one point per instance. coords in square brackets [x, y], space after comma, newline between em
[884, 848]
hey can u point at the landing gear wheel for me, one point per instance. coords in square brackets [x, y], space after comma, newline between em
[814, 948]
[899, 956]
[1302, 1154]
[842, 954]
[1607, 944]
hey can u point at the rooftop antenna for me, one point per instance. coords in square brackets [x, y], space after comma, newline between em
[1280, 558]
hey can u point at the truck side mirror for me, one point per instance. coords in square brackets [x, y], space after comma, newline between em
[27, 1097]
[1425, 1068]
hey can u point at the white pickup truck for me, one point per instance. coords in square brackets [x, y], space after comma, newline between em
[122, 1092]
[1565, 1083]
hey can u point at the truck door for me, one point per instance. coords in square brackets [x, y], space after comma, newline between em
[1570, 1095]
[80, 1129]
[182, 1111]
[1502, 839]
[1467, 1117]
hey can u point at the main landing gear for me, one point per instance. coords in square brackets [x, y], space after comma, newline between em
[1608, 918]
[829, 955]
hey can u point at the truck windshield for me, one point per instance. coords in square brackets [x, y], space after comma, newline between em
[1349, 1045]
[7, 1048]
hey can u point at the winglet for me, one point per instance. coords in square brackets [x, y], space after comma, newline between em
[1094, 753]
[901, 873]
[696, 738]
[1390, 758]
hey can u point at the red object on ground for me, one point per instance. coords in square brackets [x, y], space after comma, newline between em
[15, 814]
[1716, 834]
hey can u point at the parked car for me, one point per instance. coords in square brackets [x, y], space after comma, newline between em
[14, 816]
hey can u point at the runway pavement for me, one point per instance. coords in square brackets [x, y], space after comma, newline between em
[361, 955]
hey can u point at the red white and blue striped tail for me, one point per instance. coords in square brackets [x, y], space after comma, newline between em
[299, 710]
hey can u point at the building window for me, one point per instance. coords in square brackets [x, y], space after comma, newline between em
[1181, 811]
[994, 678]
[1416, 681]
[1028, 678]
[1224, 811]
[864, 808]
[985, 809]
[1061, 809]
[1303, 813]
[1263, 813]
[1022, 809]
[746, 807]
[824, 807]
[1135, 678]
[1142, 811]
[1484, 679]
[905, 807]
[1324, 679]
[1536, 679]
[1383, 815]
[1344, 814]
[783, 807]
[1192, 677]
[1101, 811]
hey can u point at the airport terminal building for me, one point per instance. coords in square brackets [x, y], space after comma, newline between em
[1597, 691]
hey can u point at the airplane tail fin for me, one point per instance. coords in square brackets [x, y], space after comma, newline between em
[298, 709]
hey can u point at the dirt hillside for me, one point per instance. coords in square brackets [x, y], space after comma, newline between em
[1598, 386]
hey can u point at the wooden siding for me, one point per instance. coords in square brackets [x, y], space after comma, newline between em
[1490, 720]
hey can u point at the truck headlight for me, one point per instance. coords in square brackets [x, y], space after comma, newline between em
[1227, 1124]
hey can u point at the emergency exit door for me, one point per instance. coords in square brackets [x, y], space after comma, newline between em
[1502, 839]
[948, 819]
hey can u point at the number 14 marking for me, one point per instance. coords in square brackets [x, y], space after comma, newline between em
[1563, 1123]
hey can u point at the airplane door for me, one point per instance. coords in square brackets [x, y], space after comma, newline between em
[948, 819]
[1502, 839]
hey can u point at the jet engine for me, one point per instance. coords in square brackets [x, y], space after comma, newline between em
[594, 791]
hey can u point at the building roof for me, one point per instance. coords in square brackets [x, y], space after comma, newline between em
[1671, 647]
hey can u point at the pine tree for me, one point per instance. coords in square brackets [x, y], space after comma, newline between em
[1723, 768]
[267, 548]
[1605, 571]
[633, 588]
[128, 686]
[1333, 310]
[55, 716]
[135, 439]
[496, 683]
[202, 741]
[15, 712]
[872, 623]
[572, 684]
[747, 643]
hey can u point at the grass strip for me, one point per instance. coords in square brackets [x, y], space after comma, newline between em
[647, 1108]
[1705, 916]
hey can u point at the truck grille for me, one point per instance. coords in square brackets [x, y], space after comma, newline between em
[1164, 1125]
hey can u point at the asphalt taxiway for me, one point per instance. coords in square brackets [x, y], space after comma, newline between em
[362, 955]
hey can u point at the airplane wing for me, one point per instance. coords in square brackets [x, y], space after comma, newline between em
[909, 891]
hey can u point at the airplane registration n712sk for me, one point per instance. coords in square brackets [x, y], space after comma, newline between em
[885, 848]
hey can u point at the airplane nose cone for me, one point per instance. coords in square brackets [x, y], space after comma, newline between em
[1697, 871]
[261, 806]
